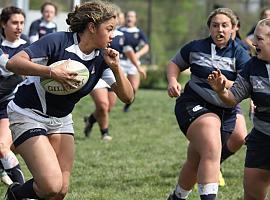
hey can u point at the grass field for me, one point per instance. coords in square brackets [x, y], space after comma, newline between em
[143, 159]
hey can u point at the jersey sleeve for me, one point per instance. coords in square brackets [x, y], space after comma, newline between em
[242, 87]
[143, 38]
[46, 47]
[181, 58]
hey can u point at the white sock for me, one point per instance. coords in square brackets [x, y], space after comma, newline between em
[181, 193]
[209, 188]
[9, 160]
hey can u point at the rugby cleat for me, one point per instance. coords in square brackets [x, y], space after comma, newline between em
[173, 196]
[9, 194]
[221, 180]
[5, 178]
[106, 137]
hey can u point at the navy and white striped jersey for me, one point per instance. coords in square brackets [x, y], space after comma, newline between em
[9, 80]
[39, 28]
[134, 37]
[52, 48]
[254, 82]
[203, 57]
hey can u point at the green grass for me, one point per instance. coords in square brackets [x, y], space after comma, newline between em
[142, 161]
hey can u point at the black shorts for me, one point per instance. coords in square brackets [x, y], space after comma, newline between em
[258, 148]
[189, 106]
[3, 110]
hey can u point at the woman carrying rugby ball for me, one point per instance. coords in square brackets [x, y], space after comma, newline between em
[41, 122]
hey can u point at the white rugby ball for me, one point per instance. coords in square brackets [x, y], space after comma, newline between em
[54, 87]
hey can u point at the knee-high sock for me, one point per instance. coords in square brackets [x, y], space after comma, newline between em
[92, 119]
[11, 165]
[25, 191]
[225, 152]
[208, 191]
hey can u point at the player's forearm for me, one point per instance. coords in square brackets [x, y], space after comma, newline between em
[173, 72]
[227, 97]
[143, 50]
[20, 64]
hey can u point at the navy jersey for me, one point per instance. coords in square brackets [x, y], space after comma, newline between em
[47, 50]
[243, 44]
[135, 37]
[203, 57]
[9, 80]
[254, 82]
[118, 42]
[39, 28]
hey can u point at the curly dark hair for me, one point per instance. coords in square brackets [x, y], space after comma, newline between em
[96, 12]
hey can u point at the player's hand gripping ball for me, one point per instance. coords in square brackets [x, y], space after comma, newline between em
[54, 87]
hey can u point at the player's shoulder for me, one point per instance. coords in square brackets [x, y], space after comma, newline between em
[36, 22]
[129, 29]
[197, 44]
[58, 36]
[118, 32]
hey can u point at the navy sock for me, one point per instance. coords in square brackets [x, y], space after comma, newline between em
[225, 153]
[25, 191]
[1, 165]
[16, 174]
[208, 197]
[92, 119]
[127, 105]
[104, 131]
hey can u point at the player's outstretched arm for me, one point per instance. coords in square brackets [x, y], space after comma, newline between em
[218, 83]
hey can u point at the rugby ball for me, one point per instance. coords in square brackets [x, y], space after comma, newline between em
[54, 87]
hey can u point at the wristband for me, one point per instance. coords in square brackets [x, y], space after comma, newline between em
[3, 61]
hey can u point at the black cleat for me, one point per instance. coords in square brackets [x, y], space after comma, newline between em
[88, 127]
[172, 196]
[9, 194]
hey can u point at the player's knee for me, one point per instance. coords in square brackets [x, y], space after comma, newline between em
[103, 107]
[51, 186]
[211, 152]
[236, 141]
[63, 192]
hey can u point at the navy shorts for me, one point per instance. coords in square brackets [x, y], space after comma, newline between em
[3, 110]
[258, 148]
[189, 106]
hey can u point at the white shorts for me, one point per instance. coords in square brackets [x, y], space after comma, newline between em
[128, 68]
[101, 84]
[27, 123]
